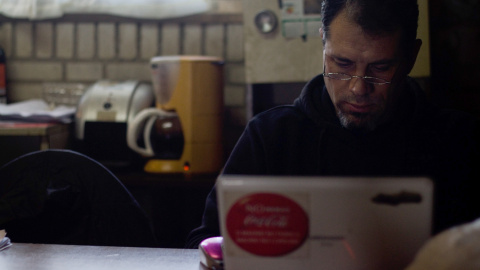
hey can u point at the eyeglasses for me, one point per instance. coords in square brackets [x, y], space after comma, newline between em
[347, 77]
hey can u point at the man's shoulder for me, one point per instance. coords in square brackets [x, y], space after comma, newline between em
[279, 115]
[446, 118]
[452, 126]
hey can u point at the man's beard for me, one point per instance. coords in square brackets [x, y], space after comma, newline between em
[360, 122]
[362, 125]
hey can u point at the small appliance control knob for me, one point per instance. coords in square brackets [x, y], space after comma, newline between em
[107, 105]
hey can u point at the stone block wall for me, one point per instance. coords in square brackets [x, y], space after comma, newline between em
[84, 49]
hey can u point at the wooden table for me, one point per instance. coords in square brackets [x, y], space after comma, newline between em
[68, 257]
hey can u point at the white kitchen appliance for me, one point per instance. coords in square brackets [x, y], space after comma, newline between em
[104, 113]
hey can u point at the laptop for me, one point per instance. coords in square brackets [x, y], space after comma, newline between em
[327, 223]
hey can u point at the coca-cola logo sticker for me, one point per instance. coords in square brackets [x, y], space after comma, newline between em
[267, 224]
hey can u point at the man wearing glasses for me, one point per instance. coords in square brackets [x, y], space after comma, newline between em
[363, 116]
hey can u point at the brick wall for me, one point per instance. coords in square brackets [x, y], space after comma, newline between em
[84, 49]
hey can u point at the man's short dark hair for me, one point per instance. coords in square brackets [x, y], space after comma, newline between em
[376, 17]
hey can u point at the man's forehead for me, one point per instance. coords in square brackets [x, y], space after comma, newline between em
[373, 61]
[347, 39]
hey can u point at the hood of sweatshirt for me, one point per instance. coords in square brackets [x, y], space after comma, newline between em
[394, 145]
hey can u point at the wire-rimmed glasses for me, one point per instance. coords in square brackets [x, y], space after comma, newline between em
[347, 77]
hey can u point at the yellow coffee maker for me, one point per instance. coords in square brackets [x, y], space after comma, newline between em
[183, 133]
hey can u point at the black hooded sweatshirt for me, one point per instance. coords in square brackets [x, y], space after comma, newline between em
[306, 138]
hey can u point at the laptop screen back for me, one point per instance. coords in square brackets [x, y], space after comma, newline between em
[289, 222]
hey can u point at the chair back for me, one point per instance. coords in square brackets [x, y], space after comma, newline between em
[64, 197]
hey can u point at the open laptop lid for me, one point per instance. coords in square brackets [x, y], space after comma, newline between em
[292, 222]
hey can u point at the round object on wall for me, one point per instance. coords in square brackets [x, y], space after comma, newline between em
[266, 21]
